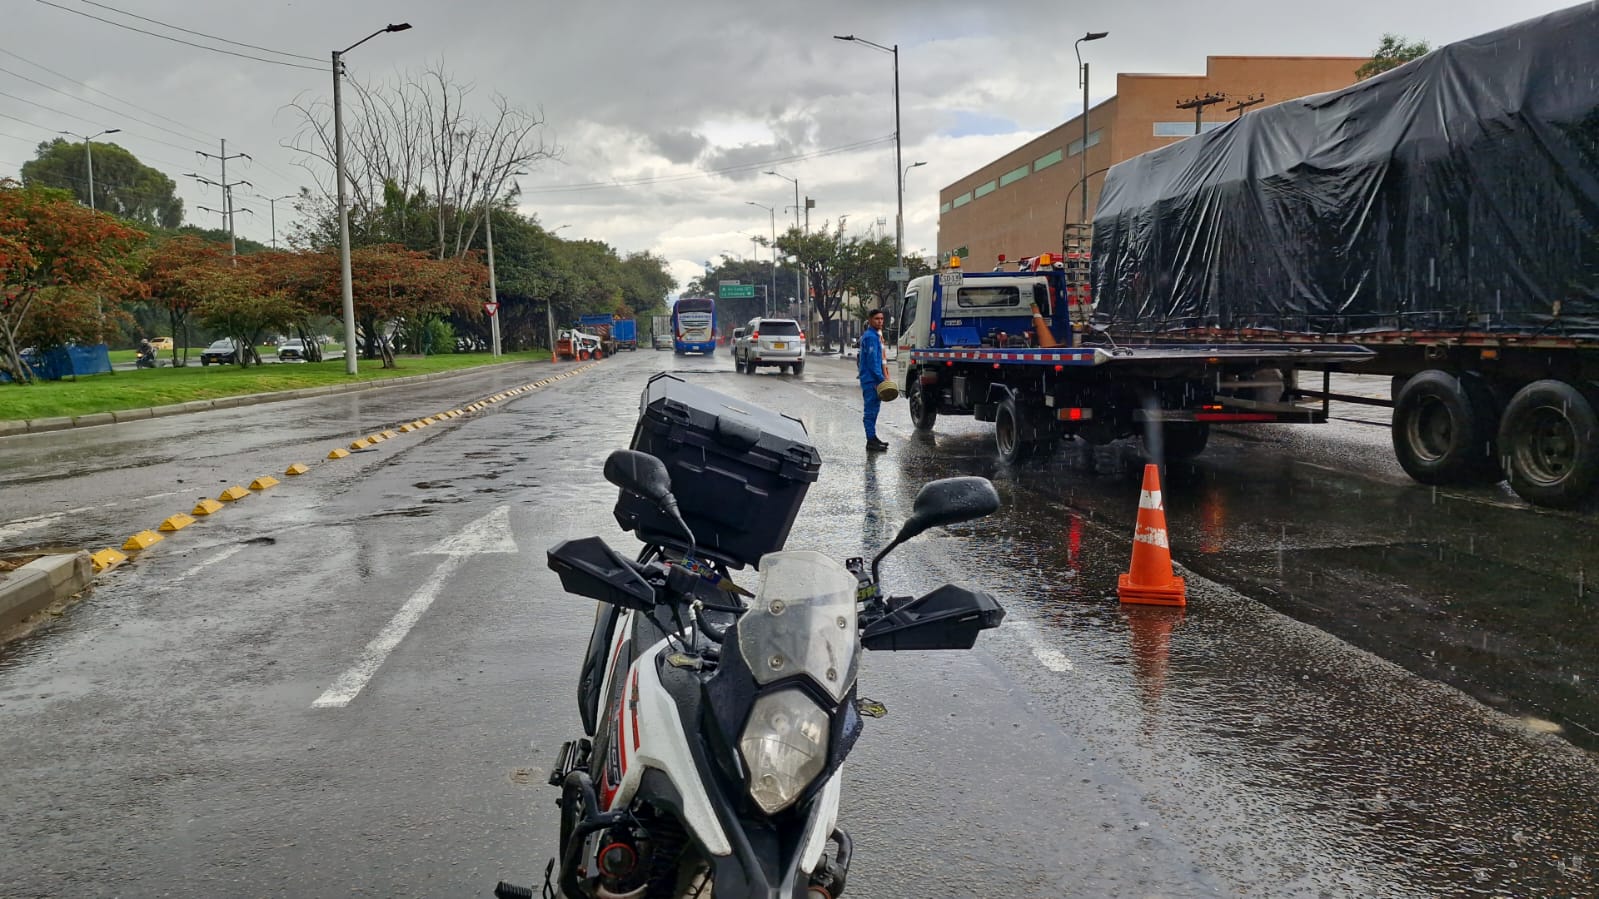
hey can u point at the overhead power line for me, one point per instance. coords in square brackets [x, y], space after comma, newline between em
[165, 37]
[118, 113]
[213, 37]
[107, 95]
[95, 122]
[691, 176]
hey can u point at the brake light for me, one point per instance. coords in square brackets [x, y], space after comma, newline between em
[755, 335]
[802, 337]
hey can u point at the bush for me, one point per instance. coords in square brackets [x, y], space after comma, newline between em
[438, 337]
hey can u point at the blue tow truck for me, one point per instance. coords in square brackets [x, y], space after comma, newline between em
[1016, 347]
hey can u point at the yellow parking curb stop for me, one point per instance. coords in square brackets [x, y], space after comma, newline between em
[233, 493]
[263, 482]
[339, 452]
[107, 558]
[176, 523]
[296, 468]
[206, 507]
[143, 540]
[389, 435]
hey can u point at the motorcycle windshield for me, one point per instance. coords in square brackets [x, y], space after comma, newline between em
[802, 621]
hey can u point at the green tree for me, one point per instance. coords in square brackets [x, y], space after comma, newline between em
[1393, 52]
[123, 186]
[828, 260]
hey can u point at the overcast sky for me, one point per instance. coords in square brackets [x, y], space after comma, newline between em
[654, 89]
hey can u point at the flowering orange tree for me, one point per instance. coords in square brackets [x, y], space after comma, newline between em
[54, 248]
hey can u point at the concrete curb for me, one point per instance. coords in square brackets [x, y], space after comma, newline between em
[40, 583]
[15, 428]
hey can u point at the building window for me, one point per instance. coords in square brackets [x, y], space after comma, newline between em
[945, 208]
[1013, 176]
[962, 200]
[984, 190]
[1047, 160]
[1077, 145]
[1183, 129]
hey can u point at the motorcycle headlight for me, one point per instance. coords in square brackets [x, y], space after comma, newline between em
[784, 747]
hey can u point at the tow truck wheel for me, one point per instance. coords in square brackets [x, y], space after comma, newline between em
[924, 408]
[1548, 437]
[1008, 433]
[1443, 429]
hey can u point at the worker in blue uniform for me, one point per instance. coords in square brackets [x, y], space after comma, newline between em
[871, 372]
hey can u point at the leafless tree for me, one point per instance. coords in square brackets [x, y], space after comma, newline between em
[416, 150]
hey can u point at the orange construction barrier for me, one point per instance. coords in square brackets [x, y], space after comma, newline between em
[1149, 580]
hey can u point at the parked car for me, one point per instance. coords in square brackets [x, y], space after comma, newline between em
[291, 351]
[769, 341]
[163, 344]
[222, 352]
[663, 341]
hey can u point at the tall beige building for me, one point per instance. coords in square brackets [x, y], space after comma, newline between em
[1019, 203]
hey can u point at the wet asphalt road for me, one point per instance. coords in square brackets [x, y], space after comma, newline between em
[161, 739]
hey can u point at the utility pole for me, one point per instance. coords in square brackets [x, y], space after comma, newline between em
[1197, 104]
[899, 162]
[1245, 103]
[227, 189]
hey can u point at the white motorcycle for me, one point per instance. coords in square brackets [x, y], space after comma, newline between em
[717, 721]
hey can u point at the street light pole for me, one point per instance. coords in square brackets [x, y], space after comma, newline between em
[88, 155]
[1082, 75]
[772, 291]
[272, 209]
[799, 268]
[494, 294]
[899, 227]
[346, 288]
[99, 304]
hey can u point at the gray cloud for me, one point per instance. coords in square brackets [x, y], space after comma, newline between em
[648, 94]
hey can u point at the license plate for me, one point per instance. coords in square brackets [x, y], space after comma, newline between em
[779, 346]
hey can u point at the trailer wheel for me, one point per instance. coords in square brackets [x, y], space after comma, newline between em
[1443, 429]
[1548, 439]
[924, 408]
[1008, 432]
[1182, 440]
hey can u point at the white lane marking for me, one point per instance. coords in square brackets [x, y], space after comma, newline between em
[222, 556]
[24, 525]
[350, 683]
[1049, 656]
[489, 534]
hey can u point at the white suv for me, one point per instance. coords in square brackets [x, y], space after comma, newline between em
[770, 341]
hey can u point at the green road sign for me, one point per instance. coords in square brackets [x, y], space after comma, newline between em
[735, 291]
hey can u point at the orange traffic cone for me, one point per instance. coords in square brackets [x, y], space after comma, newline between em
[1149, 580]
[1041, 328]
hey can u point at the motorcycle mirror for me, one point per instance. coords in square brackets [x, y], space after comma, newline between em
[639, 473]
[944, 502]
[646, 475]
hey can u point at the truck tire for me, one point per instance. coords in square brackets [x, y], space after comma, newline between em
[1444, 430]
[1009, 428]
[1183, 440]
[1548, 437]
[924, 409]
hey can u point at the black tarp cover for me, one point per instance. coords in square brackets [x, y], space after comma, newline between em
[1458, 192]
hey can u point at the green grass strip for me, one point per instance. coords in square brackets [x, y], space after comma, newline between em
[145, 388]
